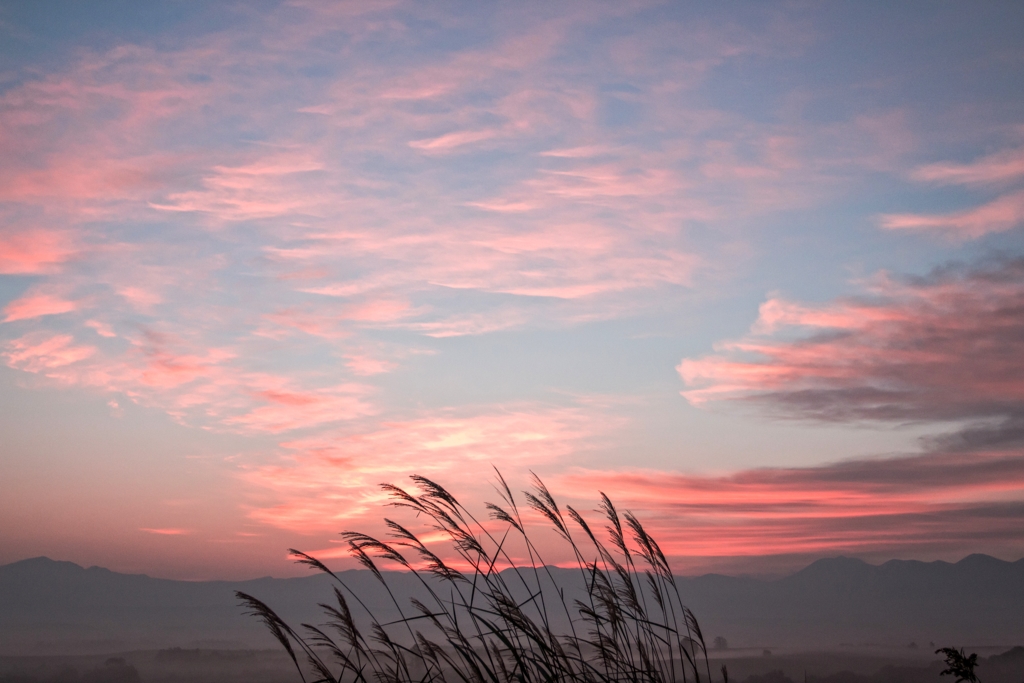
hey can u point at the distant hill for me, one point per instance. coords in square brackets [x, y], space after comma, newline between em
[50, 607]
[842, 601]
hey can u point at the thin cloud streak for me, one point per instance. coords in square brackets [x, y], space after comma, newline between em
[166, 532]
[1001, 214]
[36, 305]
[994, 169]
[928, 505]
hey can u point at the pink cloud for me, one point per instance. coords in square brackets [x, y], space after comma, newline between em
[279, 324]
[368, 365]
[776, 314]
[165, 532]
[450, 141]
[77, 178]
[101, 328]
[995, 168]
[583, 152]
[378, 311]
[460, 325]
[607, 182]
[932, 504]
[164, 366]
[402, 234]
[37, 305]
[142, 299]
[999, 215]
[945, 347]
[35, 251]
[272, 185]
[331, 479]
[201, 387]
[79, 142]
[504, 206]
[41, 353]
[284, 410]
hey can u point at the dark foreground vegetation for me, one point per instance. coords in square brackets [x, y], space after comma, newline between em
[486, 618]
[479, 624]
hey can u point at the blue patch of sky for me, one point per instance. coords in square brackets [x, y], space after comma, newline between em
[617, 112]
[866, 56]
[13, 286]
[44, 36]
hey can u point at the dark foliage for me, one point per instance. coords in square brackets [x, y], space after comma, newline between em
[959, 665]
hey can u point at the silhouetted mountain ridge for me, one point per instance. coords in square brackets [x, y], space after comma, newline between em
[51, 606]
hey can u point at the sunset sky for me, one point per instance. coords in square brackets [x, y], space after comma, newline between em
[755, 270]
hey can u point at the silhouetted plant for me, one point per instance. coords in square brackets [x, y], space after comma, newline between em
[630, 627]
[959, 665]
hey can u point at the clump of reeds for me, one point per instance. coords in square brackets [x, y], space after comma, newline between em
[959, 665]
[489, 619]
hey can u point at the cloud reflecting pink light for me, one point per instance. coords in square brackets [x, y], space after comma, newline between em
[945, 347]
[331, 480]
[34, 251]
[367, 365]
[36, 305]
[1001, 167]
[202, 389]
[999, 215]
[45, 354]
[921, 505]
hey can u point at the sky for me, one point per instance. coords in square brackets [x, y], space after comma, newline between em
[754, 270]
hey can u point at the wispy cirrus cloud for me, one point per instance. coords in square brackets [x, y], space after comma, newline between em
[942, 504]
[285, 410]
[35, 251]
[363, 365]
[340, 201]
[1001, 167]
[165, 531]
[202, 387]
[1001, 214]
[36, 305]
[450, 141]
[46, 354]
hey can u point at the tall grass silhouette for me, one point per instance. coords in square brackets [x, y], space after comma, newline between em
[488, 619]
[959, 665]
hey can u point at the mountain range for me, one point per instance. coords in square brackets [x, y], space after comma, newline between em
[52, 607]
